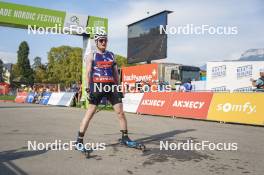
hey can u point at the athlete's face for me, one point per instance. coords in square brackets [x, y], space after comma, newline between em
[102, 43]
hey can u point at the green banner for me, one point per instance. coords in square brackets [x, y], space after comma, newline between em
[21, 16]
[97, 25]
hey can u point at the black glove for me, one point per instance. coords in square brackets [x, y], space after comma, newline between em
[120, 94]
[87, 90]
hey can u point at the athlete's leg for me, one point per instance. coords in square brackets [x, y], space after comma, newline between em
[121, 115]
[93, 102]
[83, 126]
[87, 118]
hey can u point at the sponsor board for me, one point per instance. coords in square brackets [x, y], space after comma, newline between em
[190, 105]
[218, 71]
[155, 103]
[21, 16]
[55, 98]
[45, 98]
[61, 98]
[30, 97]
[179, 104]
[75, 21]
[21, 97]
[131, 102]
[97, 23]
[244, 71]
[146, 72]
[247, 108]
[232, 76]
[66, 99]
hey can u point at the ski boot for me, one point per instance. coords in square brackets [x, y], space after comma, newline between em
[125, 140]
[79, 146]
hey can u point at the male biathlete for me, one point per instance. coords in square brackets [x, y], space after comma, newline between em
[101, 70]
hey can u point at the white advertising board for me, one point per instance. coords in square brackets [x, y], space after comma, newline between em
[131, 102]
[233, 76]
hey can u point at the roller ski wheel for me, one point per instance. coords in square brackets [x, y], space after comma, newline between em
[83, 150]
[133, 144]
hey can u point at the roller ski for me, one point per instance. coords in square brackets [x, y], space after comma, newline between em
[79, 146]
[126, 141]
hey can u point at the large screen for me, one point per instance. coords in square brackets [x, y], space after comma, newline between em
[145, 42]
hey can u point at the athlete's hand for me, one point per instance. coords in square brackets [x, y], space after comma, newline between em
[87, 90]
[120, 94]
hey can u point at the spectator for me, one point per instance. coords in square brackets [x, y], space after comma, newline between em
[259, 83]
[177, 86]
[138, 85]
[187, 86]
[146, 87]
[161, 86]
[48, 89]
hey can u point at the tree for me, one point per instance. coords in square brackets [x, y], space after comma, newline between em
[22, 69]
[37, 63]
[40, 74]
[40, 71]
[1, 71]
[122, 61]
[64, 65]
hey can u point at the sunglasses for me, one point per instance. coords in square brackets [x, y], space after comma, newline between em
[102, 40]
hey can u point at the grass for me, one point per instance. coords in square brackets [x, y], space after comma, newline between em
[108, 107]
[7, 97]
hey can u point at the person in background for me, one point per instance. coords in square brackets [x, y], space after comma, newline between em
[146, 86]
[138, 85]
[259, 83]
[178, 86]
[161, 86]
[187, 86]
[48, 89]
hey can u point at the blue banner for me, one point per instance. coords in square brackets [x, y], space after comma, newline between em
[30, 97]
[45, 98]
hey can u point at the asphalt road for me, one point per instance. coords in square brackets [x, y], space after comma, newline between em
[20, 123]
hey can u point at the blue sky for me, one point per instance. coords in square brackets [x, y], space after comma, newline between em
[247, 15]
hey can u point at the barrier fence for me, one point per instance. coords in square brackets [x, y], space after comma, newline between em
[244, 108]
[47, 98]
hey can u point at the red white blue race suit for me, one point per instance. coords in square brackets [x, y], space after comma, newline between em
[103, 75]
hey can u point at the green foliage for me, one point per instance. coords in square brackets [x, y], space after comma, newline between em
[7, 97]
[40, 71]
[40, 74]
[37, 63]
[15, 71]
[64, 65]
[1, 71]
[22, 70]
[122, 61]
